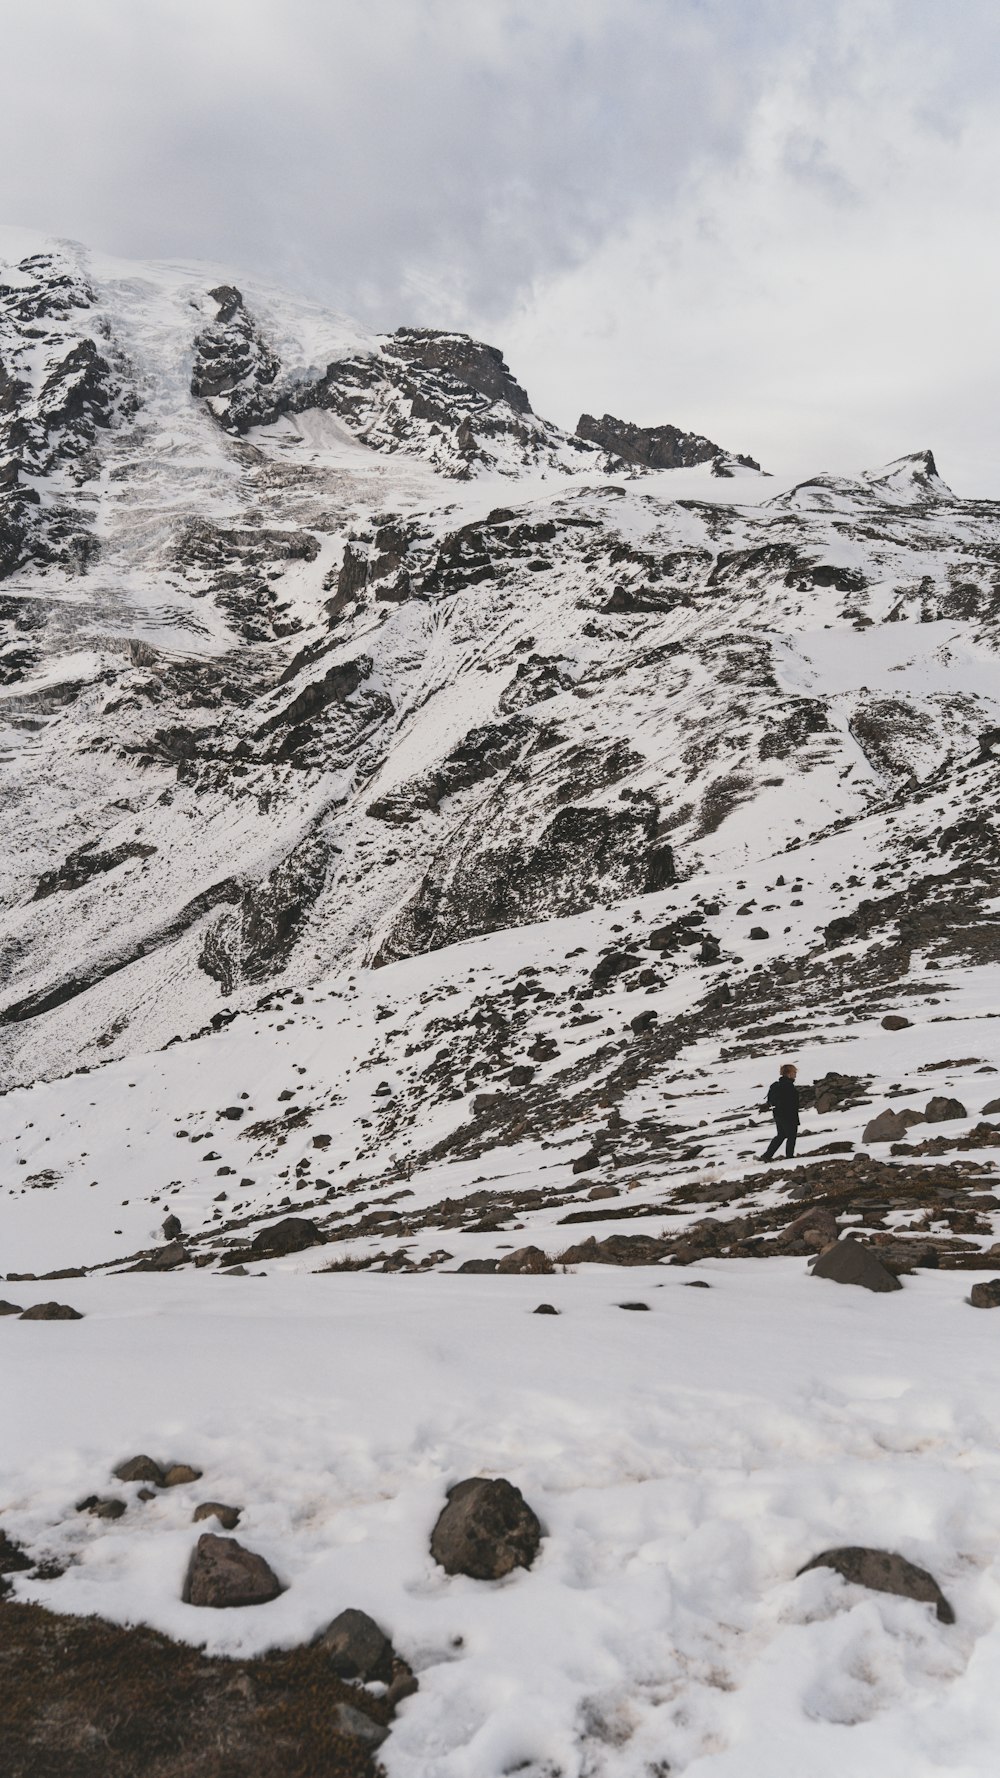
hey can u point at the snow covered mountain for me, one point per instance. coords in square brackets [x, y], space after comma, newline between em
[424, 829]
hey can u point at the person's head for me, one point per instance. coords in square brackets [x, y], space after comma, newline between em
[788, 1071]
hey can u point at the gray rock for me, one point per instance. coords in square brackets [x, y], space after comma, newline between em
[891, 1126]
[884, 1573]
[986, 1295]
[10, 1308]
[171, 1227]
[478, 1265]
[51, 1312]
[486, 1530]
[526, 1259]
[941, 1110]
[107, 1509]
[355, 1726]
[848, 1262]
[643, 1020]
[759, 932]
[163, 1259]
[179, 1473]
[894, 1021]
[290, 1235]
[633, 1305]
[358, 1649]
[545, 1309]
[139, 1469]
[228, 1516]
[222, 1574]
[991, 1108]
[818, 1227]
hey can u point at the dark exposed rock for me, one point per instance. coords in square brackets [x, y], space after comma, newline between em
[228, 1516]
[884, 1573]
[51, 1312]
[891, 1126]
[223, 1573]
[941, 1110]
[656, 447]
[163, 1259]
[581, 856]
[616, 1250]
[486, 1530]
[832, 1092]
[177, 1475]
[527, 1260]
[357, 1648]
[895, 1021]
[991, 1108]
[848, 1262]
[139, 1469]
[643, 1020]
[10, 1308]
[171, 1227]
[291, 1235]
[545, 1309]
[633, 1305]
[86, 863]
[986, 1295]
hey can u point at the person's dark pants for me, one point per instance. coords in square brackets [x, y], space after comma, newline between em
[786, 1134]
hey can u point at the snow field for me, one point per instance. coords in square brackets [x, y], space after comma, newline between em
[684, 1463]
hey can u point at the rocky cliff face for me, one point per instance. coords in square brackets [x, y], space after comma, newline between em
[658, 447]
[318, 650]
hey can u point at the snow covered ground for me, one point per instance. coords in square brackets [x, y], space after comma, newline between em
[685, 1462]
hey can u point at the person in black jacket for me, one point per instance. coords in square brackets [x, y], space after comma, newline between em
[783, 1098]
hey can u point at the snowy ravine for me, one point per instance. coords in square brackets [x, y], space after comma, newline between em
[426, 832]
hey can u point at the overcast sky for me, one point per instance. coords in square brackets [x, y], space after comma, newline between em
[773, 222]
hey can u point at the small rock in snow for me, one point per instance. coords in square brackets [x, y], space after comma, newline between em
[222, 1573]
[986, 1295]
[545, 1309]
[486, 1530]
[633, 1305]
[884, 1572]
[894, 1021]
[139, 1469]
[179, 1473]
[10, 1308]
[526, 1259]
[358, 1649]
[228, 1516]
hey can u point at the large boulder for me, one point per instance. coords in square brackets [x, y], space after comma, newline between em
[891, 1126]
[290, 1235]
[222, 1573]
[884, 1572]
[848, 1262]
[486, 1530]
[941, 1110]
[358, 1649]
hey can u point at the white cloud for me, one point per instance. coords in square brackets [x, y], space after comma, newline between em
[770, 222]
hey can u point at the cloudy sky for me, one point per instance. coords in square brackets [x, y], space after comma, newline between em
[774, 221]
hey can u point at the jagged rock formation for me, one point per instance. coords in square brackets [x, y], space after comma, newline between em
[658, 447]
